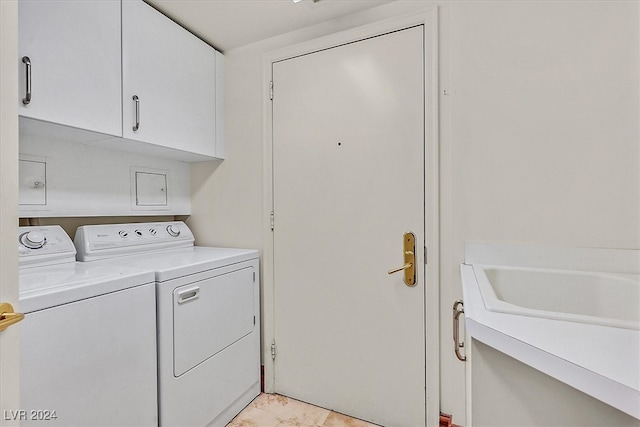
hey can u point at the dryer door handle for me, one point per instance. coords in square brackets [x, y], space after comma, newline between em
[187, 295]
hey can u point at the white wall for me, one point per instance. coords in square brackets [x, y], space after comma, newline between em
[539, 137]
[546, 122]
[227, 197]
[85, 180]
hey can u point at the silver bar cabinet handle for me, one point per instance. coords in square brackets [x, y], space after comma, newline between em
[458, 309]
[27, 98]
[137, 101]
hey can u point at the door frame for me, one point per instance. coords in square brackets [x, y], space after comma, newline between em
[9, 338]
[429, 18]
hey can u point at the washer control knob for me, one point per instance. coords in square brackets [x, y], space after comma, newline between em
[123, 234]
[173, 231]
[33, 240]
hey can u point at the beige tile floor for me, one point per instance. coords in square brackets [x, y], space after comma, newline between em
[274, 410]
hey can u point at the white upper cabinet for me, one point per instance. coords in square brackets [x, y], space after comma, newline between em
[169, 84]
[85, 62]
[73, 73]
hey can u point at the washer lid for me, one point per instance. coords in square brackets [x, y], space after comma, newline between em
[45, 287]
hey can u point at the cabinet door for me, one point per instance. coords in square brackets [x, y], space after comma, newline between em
[74, 51]
[173, 75]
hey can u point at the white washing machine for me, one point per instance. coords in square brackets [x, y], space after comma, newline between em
[208, 315]
[88, 339]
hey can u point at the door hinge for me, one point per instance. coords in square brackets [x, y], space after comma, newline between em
[254, 277]
[254, 320]
[272, 219]
[273, 349]
[271, 90]
[425, 255]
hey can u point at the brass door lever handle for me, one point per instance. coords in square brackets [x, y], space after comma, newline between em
[8, 317]
[409, 267]
[404, 267]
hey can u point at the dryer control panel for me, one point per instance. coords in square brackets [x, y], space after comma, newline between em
[95, 242]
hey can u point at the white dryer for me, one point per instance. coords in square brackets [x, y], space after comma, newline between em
[88, 337]
[208, 315]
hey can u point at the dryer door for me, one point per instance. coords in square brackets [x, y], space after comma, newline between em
[210, 315]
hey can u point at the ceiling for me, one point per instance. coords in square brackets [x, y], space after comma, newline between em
[227, 24]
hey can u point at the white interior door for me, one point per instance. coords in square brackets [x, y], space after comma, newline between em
[348, 177]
